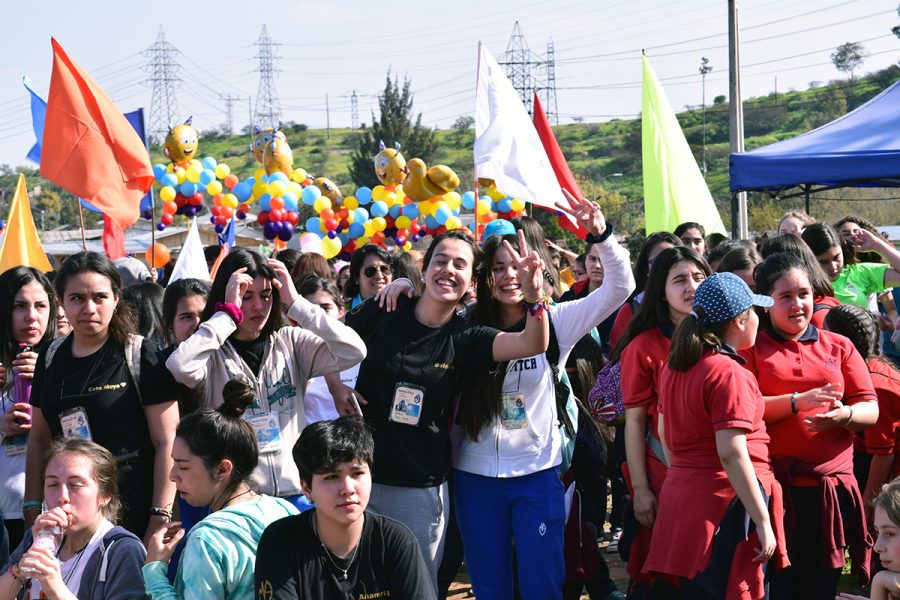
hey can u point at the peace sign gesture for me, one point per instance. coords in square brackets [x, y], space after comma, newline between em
[529, 266]
[586, 213]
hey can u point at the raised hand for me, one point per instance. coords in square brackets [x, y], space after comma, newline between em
[530, 268]
[586, 213]
[161, 545]
[284, 282]
[237, 286]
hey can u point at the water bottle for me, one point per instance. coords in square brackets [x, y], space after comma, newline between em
[50, 539]
[23, 388]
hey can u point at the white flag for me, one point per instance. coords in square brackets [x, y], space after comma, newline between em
[191, 261]
[507, 147]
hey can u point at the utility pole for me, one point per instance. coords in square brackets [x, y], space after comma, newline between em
[327, 118]
[736, 119]
[550, 90]
[354, 110]
[163, 80]
[705, 69]
[229, 111]
[268, 108]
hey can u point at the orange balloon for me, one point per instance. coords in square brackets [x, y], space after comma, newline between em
[157, 255]
[231, 181]
[276, 202]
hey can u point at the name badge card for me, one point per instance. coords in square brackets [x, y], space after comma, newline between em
[406, 407]
[268, 431]
[75, 423]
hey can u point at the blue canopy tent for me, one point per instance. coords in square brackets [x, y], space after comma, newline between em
[862, 148]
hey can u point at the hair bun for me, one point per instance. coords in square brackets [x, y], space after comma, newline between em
[237, 395]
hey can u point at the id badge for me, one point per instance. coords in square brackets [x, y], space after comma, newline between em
[513, 414]
[268, 431]
[75, 423]
[406, 407]
[15, 445]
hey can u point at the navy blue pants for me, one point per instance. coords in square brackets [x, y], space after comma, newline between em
[495, 512]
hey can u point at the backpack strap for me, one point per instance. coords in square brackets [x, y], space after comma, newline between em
[561, 380]
[51, 350]
[821, 306]
[133, 361]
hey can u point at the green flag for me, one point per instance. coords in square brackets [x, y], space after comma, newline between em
[674, 188]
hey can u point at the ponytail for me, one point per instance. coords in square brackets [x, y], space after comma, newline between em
[691, 338]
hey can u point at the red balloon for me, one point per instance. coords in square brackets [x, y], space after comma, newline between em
[227, 212]
[343, 213]
[180, 200]
[245, 208]
[293, 217]
[196, 199]
[390, 221]
[331, 224]
[166, 219]
[276, 214]
[377, 238]
[217, 199]
[222, 220]
[215, 210]
[350, 247]
[262, 217]
[414, 228]
[344, 224]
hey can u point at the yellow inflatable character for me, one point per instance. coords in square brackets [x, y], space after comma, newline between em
[181, 143]
[277, 155]
[390, 166]
[422, 183]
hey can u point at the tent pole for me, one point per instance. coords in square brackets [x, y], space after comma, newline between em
[806, 195]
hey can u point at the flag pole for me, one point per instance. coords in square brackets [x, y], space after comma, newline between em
[81, 222]
[474, 164]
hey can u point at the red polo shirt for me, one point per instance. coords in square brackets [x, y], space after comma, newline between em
[785, 366]
[880, 438]
[821, 306]
[642, 361]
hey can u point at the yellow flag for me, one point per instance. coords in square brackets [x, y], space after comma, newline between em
[21, 244]
[674, 188]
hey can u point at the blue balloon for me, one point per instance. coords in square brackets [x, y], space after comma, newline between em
[188, 189]
[410, 210]
[264, 201]
[360, 215]
[379, 209]
[287, 230]
[278, 176]
[504, 205]
[468, 200]
[269, 231]
[159, 170]
[356, 230]
[394, 211]
[431, 222]
[208, 162]
[207, 176]
[344, 237]
[219, 228]
[290, 201]
[442, 214]
[243, 191]
[314, 225]
[169, 179]
[276, 225]
[310, 194]
[364, 194]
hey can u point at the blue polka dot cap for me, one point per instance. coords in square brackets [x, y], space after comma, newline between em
[723, 296]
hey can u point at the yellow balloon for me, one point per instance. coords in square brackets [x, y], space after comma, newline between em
[496, 194]
[402, 222]
[193, 172]
[299, 175]
[259, 174]
[167, 193]
[230, 200]
[370, 230]
[453, 200]
[295, 188]
[351, 203]
[426, 207]
[260, 189]
[391, 199]
[170, 168]
[214, 187]
[179, 173]
[453, 222]
[360, 242]
[483, 207]
[330, 247]
[222, 170]
[407, 246]
[321, 204]
[379, 224]
[517, 204]
[278, 188]
[379, 193]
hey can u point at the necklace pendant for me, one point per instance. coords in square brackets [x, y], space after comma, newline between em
[344, 576]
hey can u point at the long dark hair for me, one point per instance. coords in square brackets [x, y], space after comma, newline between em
[654, 310]
[405, 265]
[536, 240]
[692, 337]
[793, 244]
[857, 325]
[256, 265]
[351, 288]
[182, 288]
[223, 433]
[146, 298]
[11, 281]
[869, 226]
[642, 262]
[124, 321]
[821, 237]
[771, 270]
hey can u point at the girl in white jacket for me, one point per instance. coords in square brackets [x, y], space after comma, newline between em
[506, 482]
[242, 337]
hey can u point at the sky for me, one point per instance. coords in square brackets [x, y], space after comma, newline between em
[333, 48]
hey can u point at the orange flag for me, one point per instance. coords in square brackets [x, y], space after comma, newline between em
[21, 244]
[89, 148]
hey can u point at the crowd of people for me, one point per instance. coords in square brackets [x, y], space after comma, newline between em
[305, 428]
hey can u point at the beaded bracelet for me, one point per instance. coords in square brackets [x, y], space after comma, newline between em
[16, 572]
[158, 511]
[794, 408]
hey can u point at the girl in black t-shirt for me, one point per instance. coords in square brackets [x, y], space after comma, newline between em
[86, 387]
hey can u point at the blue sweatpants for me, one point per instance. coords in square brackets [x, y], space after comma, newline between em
[495, 512]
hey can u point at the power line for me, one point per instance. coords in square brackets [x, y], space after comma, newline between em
[163, 81]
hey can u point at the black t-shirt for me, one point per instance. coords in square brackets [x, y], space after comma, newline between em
[291, 563]
[429, 366]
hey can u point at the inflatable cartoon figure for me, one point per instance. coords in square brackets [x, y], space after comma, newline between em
[262, 139]
[390, 166]
[329, 189]
[181, 143]
[277, 154]
[422, 183]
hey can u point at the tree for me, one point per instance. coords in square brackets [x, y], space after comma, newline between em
[463, 124]
[848, 57]
[896, 28]
[394, 125]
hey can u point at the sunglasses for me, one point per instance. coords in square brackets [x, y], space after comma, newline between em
[370, 271]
